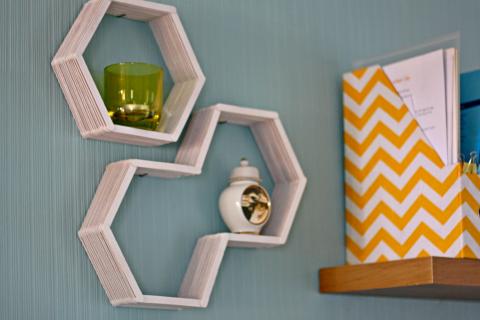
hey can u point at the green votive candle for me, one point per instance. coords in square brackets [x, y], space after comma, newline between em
[134, 94]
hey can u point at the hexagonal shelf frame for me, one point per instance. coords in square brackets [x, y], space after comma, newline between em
[82, 95]
[104, 252]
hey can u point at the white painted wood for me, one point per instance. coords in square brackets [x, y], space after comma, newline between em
[196, 142]
[162, 169]
[111, 276]
[104, 252]
[120, 262]
[253, 241]
[161, 302]
[139, 10]
[203, 268]
[244, 116]
[285, 200]
[82, 95]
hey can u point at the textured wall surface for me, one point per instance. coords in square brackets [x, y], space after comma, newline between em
[281, 55]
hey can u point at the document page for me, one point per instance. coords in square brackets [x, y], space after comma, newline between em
[453, 104]
[448, 62]
[420, 82]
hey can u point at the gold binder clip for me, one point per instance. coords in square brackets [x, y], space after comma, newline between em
[471, 165]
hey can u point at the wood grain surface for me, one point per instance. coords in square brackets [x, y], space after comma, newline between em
[430, 277]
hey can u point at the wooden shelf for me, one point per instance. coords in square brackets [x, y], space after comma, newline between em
[81, 92]
[431, 277]
[105, 253]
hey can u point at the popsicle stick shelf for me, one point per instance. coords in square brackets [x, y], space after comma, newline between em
[104, 252]
[429, 277]
[82, 95]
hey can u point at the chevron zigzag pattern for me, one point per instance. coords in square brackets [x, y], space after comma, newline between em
[401, 201]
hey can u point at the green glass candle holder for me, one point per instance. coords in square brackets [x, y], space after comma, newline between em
[134, 94]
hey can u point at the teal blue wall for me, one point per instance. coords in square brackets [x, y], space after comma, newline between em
[281, 55]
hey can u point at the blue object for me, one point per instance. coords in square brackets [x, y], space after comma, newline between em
[470, 112]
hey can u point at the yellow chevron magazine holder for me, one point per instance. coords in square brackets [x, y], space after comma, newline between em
[401, 201]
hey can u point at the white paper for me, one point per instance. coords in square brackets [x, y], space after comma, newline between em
[448, 62]
[453, 103]
[420, 82]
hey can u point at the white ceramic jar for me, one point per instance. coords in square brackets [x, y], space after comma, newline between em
[245, 205]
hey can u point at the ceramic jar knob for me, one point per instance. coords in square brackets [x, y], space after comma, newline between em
[245, 205]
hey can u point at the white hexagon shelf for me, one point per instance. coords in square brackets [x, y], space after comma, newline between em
[104, 251]
[80, 90]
